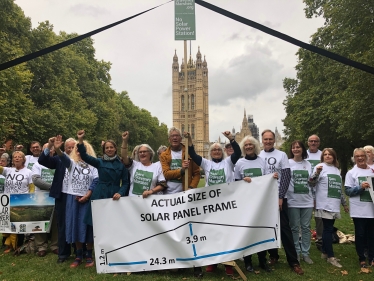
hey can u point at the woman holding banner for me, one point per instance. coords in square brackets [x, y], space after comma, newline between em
[18, 181]
[82, 181]
[113, 176]
[300, 199]
[146, 178]
[361, 206]
[246, 168]
[328, 185]
[218, 169]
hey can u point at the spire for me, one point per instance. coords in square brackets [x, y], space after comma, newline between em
[198, 55]
[190, 63]
[204, 62]
[175, 59]
[175, 55]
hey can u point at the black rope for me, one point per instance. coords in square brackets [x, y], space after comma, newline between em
[68, 42]
[287, 38]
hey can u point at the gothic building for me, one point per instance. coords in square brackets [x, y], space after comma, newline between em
[197, 100]
[244, 131]
[248, 128]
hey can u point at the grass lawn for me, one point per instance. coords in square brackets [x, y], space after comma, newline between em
[32, 267]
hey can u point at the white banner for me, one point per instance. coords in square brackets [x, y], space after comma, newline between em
[194, 228]
[26, 213]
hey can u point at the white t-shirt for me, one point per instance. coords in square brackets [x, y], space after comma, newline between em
[144, 177]
[299, 193]
[175, 186]
[45, 173]
[314, 158]
[360, 206]
[249, 168]
[275, 161]
[17, 181]
[80, 178]
[217, 173]
[328, 188]
[30, 161]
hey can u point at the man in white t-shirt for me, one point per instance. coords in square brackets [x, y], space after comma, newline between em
[277, 161]
[314, 157]
[35, 149]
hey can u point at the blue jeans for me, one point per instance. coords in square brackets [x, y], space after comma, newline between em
[364, 237]
[328, 229]
[300, 218]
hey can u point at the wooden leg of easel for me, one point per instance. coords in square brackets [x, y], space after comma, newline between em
[237, 268]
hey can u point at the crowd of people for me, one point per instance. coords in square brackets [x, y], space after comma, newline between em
[308, 180]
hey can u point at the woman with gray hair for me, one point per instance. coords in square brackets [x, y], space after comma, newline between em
[248, 167]
[146, 177]
[361, 206]
[218, 169]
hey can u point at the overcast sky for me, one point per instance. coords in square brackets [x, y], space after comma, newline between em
[246, 67]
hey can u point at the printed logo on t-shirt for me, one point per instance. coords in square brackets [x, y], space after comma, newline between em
[271, 164]
[252, 172]
[2, 182]
[80, 180]
[300, 181]
[334, 186]
[47, 175]
[176, 164]
[216, 177]
[14, 182]
[142, 181]
[29, 166]
[313, 163]
[365, 195]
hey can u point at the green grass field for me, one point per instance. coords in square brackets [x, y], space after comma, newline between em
[32, 267]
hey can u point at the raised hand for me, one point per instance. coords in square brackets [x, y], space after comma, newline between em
[228, 135]
[19, 147]
[80, 135]
[58, 142]
[125, 136]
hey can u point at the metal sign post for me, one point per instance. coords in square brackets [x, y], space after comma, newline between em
[185, 29]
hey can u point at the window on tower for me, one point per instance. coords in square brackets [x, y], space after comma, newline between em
[193, 131]
[192, 102]
[182, 102]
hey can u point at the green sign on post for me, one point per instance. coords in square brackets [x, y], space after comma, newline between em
[185, 28]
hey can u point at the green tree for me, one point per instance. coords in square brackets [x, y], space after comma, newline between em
[329, 98]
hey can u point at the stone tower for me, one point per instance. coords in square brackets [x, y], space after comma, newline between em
[245, 131]
[197, 104]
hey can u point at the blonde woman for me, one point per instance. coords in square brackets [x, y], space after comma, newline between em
[18, 181]
[82, 181]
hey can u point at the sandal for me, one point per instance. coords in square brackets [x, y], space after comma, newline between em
[76, 263]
